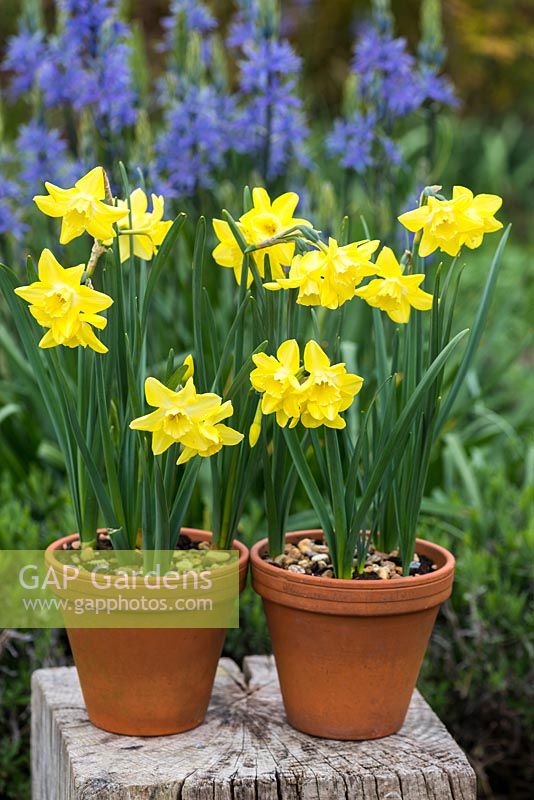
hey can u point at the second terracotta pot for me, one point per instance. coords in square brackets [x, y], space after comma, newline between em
[348, 653]
[148, 681]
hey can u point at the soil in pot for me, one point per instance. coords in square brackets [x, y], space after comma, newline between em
[355, 645]
[149, 681]
[311, 556]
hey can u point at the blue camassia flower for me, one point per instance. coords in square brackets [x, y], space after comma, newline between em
[271, 126]
[86, 65]
[391, 85]
[26, 52]
[41, 152]
[10, 206]
[195, 140]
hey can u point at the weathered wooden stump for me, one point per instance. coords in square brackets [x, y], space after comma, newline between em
[245, 749]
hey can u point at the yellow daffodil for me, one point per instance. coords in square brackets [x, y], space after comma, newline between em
[449, 224]
[330, 275]
[315, 399]
[60, 302]
[264, 221]
[188, 418]
[327, 391]
[228, 253]
[149, 226]
[306, 275]
[482, 209]
[393, 292]
[277, 380]
[81, 207]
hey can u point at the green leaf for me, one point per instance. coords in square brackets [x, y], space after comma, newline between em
[382, 361]
[401, 429]
[159, 263]
[89, 463]
[198, 261]
[49, 391]
[133, 381]
[228, 344]
[312, 490]
[183, 497]
[243, 376]
[476, 333]
[161, 516]
[107, 446]
[343, 556]
[247, 199]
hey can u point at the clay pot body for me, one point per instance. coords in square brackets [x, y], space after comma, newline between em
[148, 681]
[348, 653]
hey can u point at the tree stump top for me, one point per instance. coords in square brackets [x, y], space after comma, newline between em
[245, 750]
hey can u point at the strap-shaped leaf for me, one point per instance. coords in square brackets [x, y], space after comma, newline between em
[306, 476]
[402, 427]
[183, 497]
[162, 532]
[476, 333]
[88, 461]
[159, 263]
[228, 343]
[49, 392]
[198, 262]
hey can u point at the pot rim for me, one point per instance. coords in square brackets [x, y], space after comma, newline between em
[194, 533]
[313, 582]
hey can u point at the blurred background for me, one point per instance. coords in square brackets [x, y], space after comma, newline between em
[357, 105]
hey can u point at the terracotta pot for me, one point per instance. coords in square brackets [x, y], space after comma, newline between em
[348, 653]
[148, 681]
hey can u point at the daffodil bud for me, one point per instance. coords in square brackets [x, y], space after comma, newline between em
[188, 362]
[255, 428]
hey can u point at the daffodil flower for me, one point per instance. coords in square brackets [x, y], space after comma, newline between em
[81, 208]
[394, 292]
[449, 224]
[315, 399]
[265, 221]
[482, 209]
[306, 275]
[329, 275]
[187, 418]
[277, 380]
[60, 302]
[327, 391]
[149, 228]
